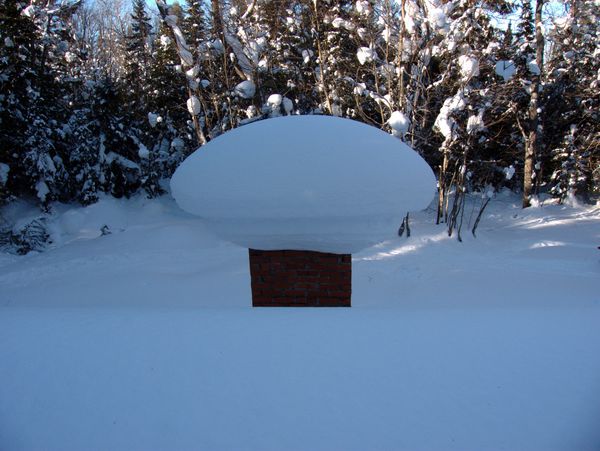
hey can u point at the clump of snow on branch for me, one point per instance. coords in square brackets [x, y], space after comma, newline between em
[165, 41]
[216, 45]
[366, 55]
[475, 123]
[154, 119]
[338, 22]
[70, 57]
[360, 89]
[363, 7]
[193, 105]
[187, 59]
[243, 61]
[307, 56]
[192, 73]
[533, 67]
[399, 124]
[30, 11]
[509, 172]
[246, 89]
[444, 123]
[251, 112]
[42, 190]
[4, 170]
[143, 151]
[469, 66]
[278, 105]
[437, 18]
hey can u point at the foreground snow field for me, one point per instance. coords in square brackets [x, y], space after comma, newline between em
[145, 339]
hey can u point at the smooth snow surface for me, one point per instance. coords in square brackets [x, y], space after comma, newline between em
[144, 339]
[304, 182]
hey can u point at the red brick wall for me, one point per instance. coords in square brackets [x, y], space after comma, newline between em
[300, 279]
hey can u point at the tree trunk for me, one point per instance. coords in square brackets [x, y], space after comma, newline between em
[217, 19]
[181, 46]
[532, 143]
[401, 94]
[316, 20]
[442, 186]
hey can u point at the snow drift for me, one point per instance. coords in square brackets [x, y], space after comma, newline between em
[304, 182]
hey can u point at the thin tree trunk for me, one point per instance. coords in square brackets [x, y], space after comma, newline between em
[182, 50]
[200, 138]
[316, 23]
[487, 201]
[442, 186]
[400, 52]
[532, 143]
[217, 19]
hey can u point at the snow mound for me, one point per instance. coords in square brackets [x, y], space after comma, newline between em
[304, 182]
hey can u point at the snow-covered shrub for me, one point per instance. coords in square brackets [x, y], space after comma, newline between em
[26, 237]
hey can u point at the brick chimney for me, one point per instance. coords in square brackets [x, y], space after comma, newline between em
[300, 279]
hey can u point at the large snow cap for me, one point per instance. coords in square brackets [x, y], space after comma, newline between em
[315, 183]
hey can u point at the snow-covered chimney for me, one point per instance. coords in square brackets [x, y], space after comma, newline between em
[303, 193]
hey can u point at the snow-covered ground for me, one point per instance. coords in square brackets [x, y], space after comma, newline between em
[145, 339]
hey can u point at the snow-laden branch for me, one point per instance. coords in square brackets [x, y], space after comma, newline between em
[249, 10]
[183, 49]
[187, 60]
[244, 62]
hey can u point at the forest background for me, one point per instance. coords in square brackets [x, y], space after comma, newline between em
[108, 96]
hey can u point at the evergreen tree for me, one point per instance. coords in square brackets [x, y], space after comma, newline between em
[573, 125]
[138, 58]
[194, 25]
[36, 83]
[292, 56]
[336, 53]
[18, 61]
[529, 63]
[169, 133]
